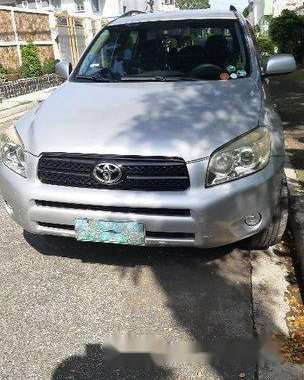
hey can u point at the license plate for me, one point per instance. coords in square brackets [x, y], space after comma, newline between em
[116, 232]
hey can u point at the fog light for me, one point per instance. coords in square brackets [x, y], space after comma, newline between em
[253, 219]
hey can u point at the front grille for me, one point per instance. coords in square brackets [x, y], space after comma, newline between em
[57, 226]
[139, 173]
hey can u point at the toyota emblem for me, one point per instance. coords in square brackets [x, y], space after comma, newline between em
[107, 173]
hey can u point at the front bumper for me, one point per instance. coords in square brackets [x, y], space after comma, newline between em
[197, 217]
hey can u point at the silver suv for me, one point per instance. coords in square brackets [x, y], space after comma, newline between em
[163, 134]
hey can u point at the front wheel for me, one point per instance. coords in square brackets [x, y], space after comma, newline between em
[274, 232]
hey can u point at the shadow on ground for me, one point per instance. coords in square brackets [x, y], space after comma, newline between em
[208, 293]
[93, 366]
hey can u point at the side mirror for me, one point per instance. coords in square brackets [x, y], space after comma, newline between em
[280, 64]
[63, 69]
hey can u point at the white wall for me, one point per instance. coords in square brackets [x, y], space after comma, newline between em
[258, 11]
[135, 5]
[141, 5]
[162, 7]
[68, 5]
[110, 8]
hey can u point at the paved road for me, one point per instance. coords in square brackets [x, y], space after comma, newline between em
[60, 300]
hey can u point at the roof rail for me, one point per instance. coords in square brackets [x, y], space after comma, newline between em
[239, 16]
[126, 14]
[131, 13]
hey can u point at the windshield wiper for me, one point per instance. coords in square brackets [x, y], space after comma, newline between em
[183, 79]
[143, 79]
[95, 78]
[157, 79]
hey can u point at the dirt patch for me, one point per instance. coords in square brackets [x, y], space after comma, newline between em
[291, 348]
[288, 95]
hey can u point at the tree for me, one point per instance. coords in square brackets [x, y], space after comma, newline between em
[31, 66]
[265, 44]
[193, 4]
[287, 33]
[246, 11]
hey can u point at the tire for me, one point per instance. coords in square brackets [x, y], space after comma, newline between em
[273, 234]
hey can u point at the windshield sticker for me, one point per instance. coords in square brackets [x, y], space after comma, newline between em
[224, 76]
[241, 73]
[233, 76]
[231, 69]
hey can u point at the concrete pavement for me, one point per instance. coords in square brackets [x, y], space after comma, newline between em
[288, 92]
[61, 299]
[14, 108]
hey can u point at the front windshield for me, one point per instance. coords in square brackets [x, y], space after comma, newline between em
[195, 49]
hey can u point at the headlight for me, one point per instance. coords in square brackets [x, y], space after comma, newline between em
[243, 156]
[12, 151]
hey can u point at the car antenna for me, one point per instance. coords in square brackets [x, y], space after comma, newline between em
[233, 8]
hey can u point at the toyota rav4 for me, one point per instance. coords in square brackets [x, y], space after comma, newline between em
[163, 134]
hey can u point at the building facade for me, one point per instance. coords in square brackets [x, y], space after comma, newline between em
[105, 9]
[280, 5]
[261, 10]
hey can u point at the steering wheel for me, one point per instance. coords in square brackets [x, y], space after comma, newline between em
[206, 71]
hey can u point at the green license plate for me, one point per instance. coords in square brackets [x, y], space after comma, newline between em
[103, 231]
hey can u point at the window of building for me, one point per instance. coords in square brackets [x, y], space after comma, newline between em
[95, 5]
[79, 5]
[56, 4]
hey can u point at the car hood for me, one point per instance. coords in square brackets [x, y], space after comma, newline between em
[177, 119]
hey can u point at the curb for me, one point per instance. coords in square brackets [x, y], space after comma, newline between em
[296, 213]
[14, 108]
[14, 112]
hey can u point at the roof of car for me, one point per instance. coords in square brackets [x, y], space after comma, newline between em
[175, 15]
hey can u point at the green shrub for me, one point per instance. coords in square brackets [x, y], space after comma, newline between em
[2, 69]
[14, 72]
[31, 66]
[246, 11]
[49, 66]
[9, 73]
[286, 31]
[103, 23]
[257, 29]
[266, 45]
